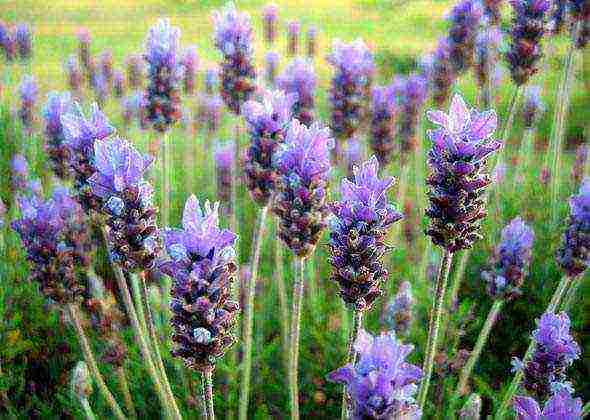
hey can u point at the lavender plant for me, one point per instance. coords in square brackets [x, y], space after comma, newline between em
[135, 71]
[412, 96]
[58, 104]
[312, 48]
[465, 20]
[443, 74]
[487, 44]
[74, 75]
[9, 44]
[118, 84]
[293, 32]
[190, 64]
[24, 41]
[28, 91]
[84, 40]
[560, 406]
[270, 15]
[580, 15]
[383, 114]
[106, 65]
[19, 171]
[299, 78]
[224, 156]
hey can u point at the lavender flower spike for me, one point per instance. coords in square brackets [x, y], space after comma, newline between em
[272, 64]
[28, 95]
[398, 313]
[303, 167]
[533, 106]
[561, 406]
[164, 73]
[510, 261]
[202, 265]
[127, 202]
[465, 19]
[574, 254]
[383, 112]
[580, 14]
[135, 71]
[299, 77]
[74, 74]
[190, 63]
[357, 237]
[382, 384]
[460, 149]
[413, 92]
[19, 169]
[58, 104]
[293, 31]
[233, 38]
[267, 125]
[24, 41]
[224, 160]
[555, 351]
[270, 15]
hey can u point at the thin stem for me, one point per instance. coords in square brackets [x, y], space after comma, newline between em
[249, 316]
[87, 409]
[479, 345]
[298, 288]
[570, 294]
[508, 126]
[551, 307]
[124, 386]
[165, 180]
[434, 325]
[458, 278]
[91, 362]
[525, 155]
[208, 374]
[351, 357]
[202, 402]
[136, 291]
[279, 278]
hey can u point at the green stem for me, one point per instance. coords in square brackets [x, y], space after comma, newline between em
[479, 345]
[87, 409]
[295, 331]
[136, 292]
[91, 362]
[351, 357]
[458, 278]
[279, 277]
[434, 325]
[165, 180]
[525, 156]
[570, 294]
[124, 385]
[202, 403]
[508, 126]
[249, 316]
[586, 410]
[551, 307]
[208, 374]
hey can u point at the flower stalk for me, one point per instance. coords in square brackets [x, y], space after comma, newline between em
[298, 288]
[351, 357]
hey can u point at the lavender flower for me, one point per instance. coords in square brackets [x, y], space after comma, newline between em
[353, 156]
[190, 63]
[312, 39]
[54, 235]
[81, 133]
[299, 78]
[574, 254]
[510, 261]
[126, 199]
[580, 163]
[19, 169]
[74, 75]
[210, 112]
[58, 104]
[293, 31]
[357, 237]
[3, 33]
[412, 95]
[461, 147]
[135, 71]
[528, 27]
[398, 313]
[351, 86]
[554, 352]
[267, 123]
[101, 89]
[164, 75]
[580, 14]
[270, 16]
[492, 11]
[211, 80]
[443, 73]
[91, 72]
[561, 406]
[132, 107]
[303, 167]
[106, 65]
[382, 384]
[24, 41]
[533, 106]
[272, 64]
[28, 98]
[118, 84]
[9, 43]
[465, 20]
[557, 16]
[383, 113]
[84, 40]
[233, 38]
[224, 161]
[202, 265]
[487, 42]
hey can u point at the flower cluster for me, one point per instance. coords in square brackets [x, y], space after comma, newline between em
[398, 313]
[224, 162]
[293, 31]
[80, 135]
[510, 261]
[74, 74]
[135, 71]
[202, 265]
[267, 124]
[55, 237]
[303, 167]
[233, 37]
[126, 199]
[574, 254]
[383, 113]
[190, 63]
[357, 237]
[164, 75]
[465, 20]
[460, 149]
[561, 406]
[299, 78]
[554, 352]
[580, 14]
[272, 64]
[350, 89]
[412, 95]
[270, 16]
[382, 384]
[28, 91]
[58, 104]
[528, 27]
[24, 41]
[532, 106]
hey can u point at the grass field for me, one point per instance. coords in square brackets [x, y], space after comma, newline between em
[38, 349]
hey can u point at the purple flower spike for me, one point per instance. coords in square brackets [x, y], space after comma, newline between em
[267, 125]
[493, 11]
[561, 406]
[350, 91]
[74, 74]
[19, 169]
[28, 90]
[510, 261]
[580, 14]
[270, 16]
[24, 40]
[443, 73]
[574, 254]
[528, 27]
[135, 71]
[383, 113]
[412, 96]
[9, 44]
[487, 44]
[106, 65]
[224, 161]
[126, 199]
[300, 78]
[398, 313]
[84, 40]
[101, 89]
[303, 168]
[312, 42]
[533, 106]
[460, 149]
[579, 166]
[465, 20]
[210, 112]
[382, 384]
[118, 84]
[164, 75]
[557, 17]
[190, 63]
[233, 38]
[357, 239]
[272, 64]
[554, 352]
[202, 265]
[293, 31]
[58, 104]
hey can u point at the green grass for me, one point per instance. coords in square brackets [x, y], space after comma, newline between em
[38, 350]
